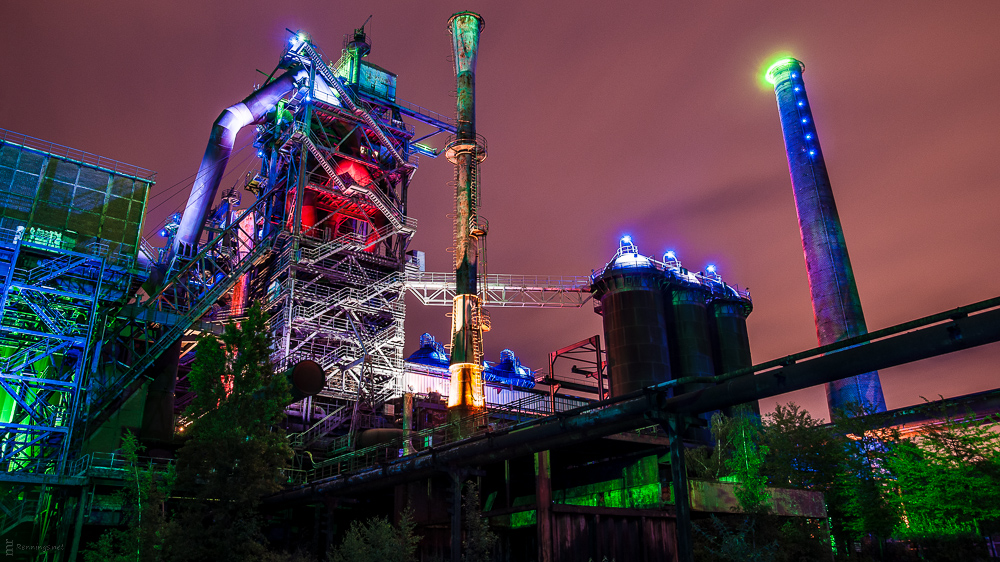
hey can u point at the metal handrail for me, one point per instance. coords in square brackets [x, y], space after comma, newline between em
[530, 407]
[118, 461]
[424, 111]
[579, 283]
[77, 156]
[713, 283]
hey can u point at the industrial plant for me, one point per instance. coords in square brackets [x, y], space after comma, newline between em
[581, 458]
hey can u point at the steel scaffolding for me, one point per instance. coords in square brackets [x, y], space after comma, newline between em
[69, 231]
[335, 287]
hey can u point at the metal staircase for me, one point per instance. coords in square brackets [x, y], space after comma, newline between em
[320, 429]
[347, 98]
[193, 287]
[363, 299]
[373, 196]
[350, 241]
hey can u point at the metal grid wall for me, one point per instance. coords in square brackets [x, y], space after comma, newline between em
[67, 203]
[69, 229]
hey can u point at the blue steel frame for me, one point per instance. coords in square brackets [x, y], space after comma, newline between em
[54, 294]
[48, 314]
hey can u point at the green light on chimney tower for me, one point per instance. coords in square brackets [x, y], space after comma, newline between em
[772, 72]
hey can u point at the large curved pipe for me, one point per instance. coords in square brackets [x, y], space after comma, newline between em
[220, 147]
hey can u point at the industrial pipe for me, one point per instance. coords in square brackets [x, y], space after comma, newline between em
[835, 300]
[220, 147]
[466, 152]
[641, 408]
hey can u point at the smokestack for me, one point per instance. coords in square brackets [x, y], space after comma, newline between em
[836, 305]
[466, 151]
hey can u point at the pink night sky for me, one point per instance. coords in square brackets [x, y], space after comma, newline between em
[603, 119]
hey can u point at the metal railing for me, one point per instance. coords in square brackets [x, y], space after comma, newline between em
[352, 240]
[527, 291]
[320, 428]
[22, 510]
[77, 156]
[117, 462]
[420, 110]
[481, 423]
[713, 283]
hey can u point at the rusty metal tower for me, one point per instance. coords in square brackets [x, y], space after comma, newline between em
[466, 151]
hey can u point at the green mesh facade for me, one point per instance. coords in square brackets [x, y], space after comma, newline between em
[65, 203]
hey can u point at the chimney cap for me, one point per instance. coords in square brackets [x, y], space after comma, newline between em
[482, 22]
[784, 63]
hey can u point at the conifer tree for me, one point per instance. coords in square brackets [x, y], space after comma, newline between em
[236, 448]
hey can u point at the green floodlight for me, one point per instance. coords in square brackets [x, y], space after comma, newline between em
[772, 73]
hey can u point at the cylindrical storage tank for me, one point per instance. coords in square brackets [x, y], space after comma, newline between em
[690, 343]
[687, 330]
[730, 339]
[631, 299]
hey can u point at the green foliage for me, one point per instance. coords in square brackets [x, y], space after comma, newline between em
[732, 542]
[800, 539]
[801, 452]
[479, 540]
[863, 499]
[712, 463]
[376, 540]
[142, 497]
[940, 489]
[949, 477]
[739, 455]
[236, 450]
[747, 460]
[847, 462]
[759, 536]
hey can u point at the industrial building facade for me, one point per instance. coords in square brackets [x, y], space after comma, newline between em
[584, 459]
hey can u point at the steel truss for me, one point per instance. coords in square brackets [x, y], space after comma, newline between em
[333, 286]
[51, 298]
[198, 288]
[515, 291]
[336, 291]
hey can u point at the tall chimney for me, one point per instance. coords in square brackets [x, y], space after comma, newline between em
[466, 151]
[836, 305]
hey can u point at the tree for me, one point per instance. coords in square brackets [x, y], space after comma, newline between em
[746, 462]
[948, 478]
[863, 498]
[480, 540]
[236, 449]
[376, 540]
[142, 498]
[802, 453]
[847, 461]
[738, 455]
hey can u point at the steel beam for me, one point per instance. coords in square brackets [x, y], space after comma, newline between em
[928, 337]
